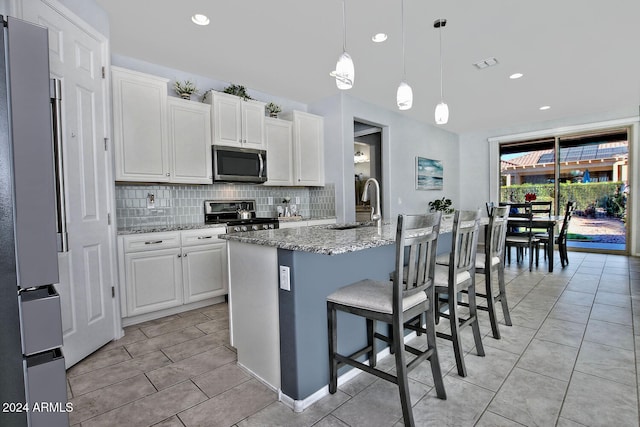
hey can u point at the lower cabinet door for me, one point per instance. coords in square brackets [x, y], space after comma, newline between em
[154, 280]
[204, 271]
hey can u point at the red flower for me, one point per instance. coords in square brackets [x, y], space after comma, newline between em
[530, 196]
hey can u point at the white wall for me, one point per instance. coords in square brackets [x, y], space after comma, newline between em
[402, 140]
[475, 166]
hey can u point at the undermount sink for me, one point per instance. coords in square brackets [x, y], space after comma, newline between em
[349, 226]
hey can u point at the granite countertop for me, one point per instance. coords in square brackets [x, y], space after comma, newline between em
[165, 228]
[326, 239]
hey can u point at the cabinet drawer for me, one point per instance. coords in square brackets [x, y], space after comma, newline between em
[202, 236]
[151, 241]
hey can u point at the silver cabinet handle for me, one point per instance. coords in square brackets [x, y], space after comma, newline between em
[56, 112]
[153, 242]
[204, 237]
[179, 255]
[185, 255]
[168, 174]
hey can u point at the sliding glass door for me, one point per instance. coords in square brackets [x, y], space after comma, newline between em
[591, 170]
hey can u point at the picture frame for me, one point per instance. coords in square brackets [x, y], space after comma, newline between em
[429, 174]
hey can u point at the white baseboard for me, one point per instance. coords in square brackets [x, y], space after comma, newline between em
[128, 321]
[301, 405]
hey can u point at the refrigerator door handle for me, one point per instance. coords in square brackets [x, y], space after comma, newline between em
[56, 111]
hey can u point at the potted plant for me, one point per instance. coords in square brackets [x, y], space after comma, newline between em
[443, 205]
[185, 89]
[273, 109]
[237, 90]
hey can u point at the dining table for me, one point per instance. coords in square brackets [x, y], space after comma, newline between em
[544, 222]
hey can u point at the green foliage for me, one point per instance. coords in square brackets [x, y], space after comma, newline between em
[237, 90]
[591, 195]
[186, 87]
[272, 108]
[443, 205]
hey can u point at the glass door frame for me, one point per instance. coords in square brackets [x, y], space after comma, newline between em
[629, 124]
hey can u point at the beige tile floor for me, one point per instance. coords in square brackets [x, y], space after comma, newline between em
[570, 359]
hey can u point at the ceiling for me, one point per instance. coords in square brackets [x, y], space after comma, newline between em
[577, 56]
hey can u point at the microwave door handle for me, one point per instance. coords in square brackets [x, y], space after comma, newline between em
[56, 111]
[261, 165]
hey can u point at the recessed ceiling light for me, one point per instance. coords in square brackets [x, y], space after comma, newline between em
[545, 107]
[515, 76]
[379, 38]
[200, 19]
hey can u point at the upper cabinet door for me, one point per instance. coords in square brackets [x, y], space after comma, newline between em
[235, 122]
[226, 119]
[308, 149]
[190, 141]
[280, 151]
[140, 131]
[253, 124]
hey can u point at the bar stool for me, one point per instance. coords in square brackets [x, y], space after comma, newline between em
[459, 275]
[489, 262]
[394, 303]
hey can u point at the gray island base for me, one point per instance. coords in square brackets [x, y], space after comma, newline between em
[281, 335]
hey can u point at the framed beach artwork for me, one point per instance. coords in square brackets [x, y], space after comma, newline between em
[428, 174]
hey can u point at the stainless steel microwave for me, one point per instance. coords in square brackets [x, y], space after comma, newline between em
[231, 164]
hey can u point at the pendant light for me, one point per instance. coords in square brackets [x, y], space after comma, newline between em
[442, 109]
[345, 72]
[404, 96]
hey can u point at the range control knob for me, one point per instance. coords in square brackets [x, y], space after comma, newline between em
[243, 228]
[254, 227]
[236, 228]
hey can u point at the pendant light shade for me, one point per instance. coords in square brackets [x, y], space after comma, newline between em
[442, 109]
[442, 113]
[345, 72]
[404, 96]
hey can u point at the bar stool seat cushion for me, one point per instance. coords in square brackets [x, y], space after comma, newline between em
[443, 259]
[480, 259]
[441, 277]
[373, 295]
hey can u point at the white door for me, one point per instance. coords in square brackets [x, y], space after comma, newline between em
[86, 270]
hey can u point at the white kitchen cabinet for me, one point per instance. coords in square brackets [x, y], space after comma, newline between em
[278, 138]
[190, 141]
[171, 270]
[140, 126]
[151, 279]
[204, 264]
[204, 271]
[236, 122]
[308, 149]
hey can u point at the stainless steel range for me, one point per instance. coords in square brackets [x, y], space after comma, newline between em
[237, 215]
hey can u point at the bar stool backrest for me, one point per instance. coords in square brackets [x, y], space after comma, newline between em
[416, 241]
[497, 232]
[464, 242]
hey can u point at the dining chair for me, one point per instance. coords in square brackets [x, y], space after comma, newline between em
[456, 276]
[561, 239]
[540, 208]
[394, 303]
[523, 239]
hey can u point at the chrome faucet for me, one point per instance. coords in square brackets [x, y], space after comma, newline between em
[376, 216]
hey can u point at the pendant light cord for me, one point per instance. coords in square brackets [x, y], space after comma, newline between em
[440, 32]
[344, 26]
[404, 65]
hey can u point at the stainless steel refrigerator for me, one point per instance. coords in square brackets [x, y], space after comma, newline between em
[32, 375]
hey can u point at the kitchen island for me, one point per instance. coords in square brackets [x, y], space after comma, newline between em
[281, 334]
